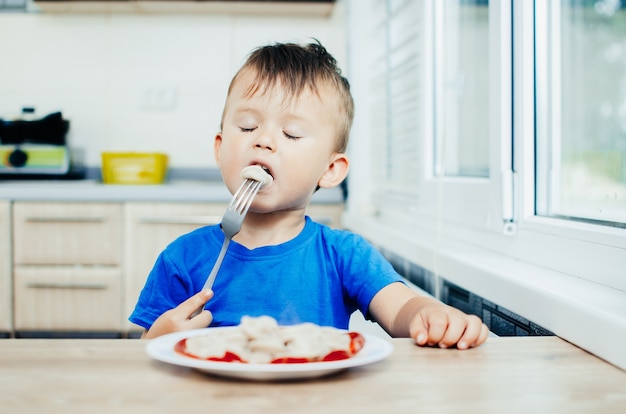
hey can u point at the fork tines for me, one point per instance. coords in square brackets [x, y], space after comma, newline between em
[245, 194]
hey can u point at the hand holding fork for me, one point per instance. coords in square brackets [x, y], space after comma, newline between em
[255, 179]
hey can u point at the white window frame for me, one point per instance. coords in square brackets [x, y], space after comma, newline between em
[481, 203]
[588, 251]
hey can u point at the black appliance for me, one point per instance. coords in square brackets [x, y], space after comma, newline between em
[34, 148]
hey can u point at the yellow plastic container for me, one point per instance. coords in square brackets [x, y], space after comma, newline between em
[134, 167]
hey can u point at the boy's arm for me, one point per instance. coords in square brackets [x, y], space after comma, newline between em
[403, 313]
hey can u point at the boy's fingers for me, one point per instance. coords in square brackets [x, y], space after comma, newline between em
[484, 334]
[195, 301]
[202, 320]
[419, 331]
[455, 331]
[436, 327]
[473, 332]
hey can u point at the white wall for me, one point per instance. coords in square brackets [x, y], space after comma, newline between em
[130, 82]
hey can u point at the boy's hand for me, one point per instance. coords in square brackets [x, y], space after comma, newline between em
[428, 321]
[178, 319]
[436, 324]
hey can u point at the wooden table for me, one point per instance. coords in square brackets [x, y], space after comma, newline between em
[505, 375]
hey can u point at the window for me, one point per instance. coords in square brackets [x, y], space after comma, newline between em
[438, 105]
[471, 182]
[496, 125]
[12, 6]
[463, 61]
[399, 92]
[537, 225]
[581, 87]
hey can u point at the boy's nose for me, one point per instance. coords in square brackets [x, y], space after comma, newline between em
[264, 141]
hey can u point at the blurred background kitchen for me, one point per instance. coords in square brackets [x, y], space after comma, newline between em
[488, 150]
[138, 80]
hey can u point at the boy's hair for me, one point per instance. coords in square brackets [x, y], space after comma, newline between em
[298, 67]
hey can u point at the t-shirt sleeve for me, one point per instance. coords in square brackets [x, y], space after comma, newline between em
[166, 287]
[365, 271]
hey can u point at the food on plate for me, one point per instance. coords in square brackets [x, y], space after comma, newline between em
[261, 340]
[257, 173]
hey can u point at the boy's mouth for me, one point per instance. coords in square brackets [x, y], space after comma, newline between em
[258, 173]
[264, 168]
[267, 170]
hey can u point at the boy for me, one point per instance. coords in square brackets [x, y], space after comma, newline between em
[289, 110]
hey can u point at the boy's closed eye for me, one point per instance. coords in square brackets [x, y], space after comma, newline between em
[285, 133]
[290, 136]
[294, 131]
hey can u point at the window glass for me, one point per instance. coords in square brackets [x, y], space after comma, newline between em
[397, 69]
[403, 91]
[462, 147]
[582, 103]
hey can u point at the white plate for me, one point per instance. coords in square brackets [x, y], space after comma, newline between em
[162, 349]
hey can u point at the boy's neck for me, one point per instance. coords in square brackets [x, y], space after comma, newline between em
[270, 229]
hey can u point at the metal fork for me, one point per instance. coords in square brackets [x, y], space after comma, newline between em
[231, 224]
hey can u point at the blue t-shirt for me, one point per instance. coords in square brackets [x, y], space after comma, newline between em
[321, 276]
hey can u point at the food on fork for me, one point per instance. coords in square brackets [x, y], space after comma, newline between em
[262, 340]
[257, 173]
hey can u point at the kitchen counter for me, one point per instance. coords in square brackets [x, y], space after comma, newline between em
[179, 190]
[514, 374]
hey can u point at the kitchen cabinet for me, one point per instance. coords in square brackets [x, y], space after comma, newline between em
[67, 266]
[6, 300]
[67, 233]
[79, 266]
[68, 299]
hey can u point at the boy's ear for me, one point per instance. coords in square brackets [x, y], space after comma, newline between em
[336, 172]
[217, 142]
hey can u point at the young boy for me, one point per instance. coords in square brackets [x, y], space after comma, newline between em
[289, 110]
